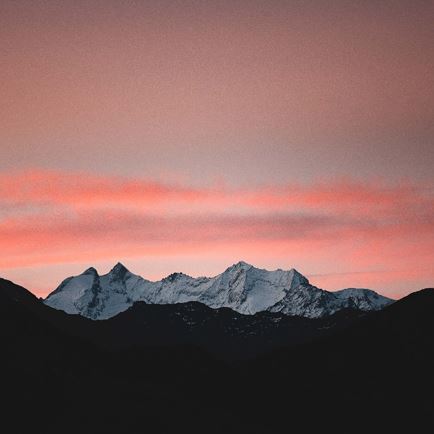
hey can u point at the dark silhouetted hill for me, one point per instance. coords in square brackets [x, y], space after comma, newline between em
[188, 368]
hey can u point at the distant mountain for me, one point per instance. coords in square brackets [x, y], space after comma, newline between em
[222, 332]
[242, 288]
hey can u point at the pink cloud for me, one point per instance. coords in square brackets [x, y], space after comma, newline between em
[78, 189]
[348, 227]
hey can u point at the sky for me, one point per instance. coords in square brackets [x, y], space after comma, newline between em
[189, 135]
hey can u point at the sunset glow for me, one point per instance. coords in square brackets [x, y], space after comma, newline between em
[186, 136]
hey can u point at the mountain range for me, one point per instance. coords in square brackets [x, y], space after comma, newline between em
[186, 367]
[241, 287]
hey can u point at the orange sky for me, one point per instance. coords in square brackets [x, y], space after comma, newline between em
[185, 136]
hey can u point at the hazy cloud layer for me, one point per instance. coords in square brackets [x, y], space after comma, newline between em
[55, 217]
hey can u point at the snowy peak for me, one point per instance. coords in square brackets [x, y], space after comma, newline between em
[176, 277]
[290, 278]
[82, 287]
[91, 271]
[241, 287]
[297, 278]
[119, 271]
[119, 268]
[294, 276]
[244, 266]
[361, 298]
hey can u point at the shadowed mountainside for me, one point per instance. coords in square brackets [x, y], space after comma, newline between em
[374, 371]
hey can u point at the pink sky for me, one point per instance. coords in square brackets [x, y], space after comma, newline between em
[186, 136]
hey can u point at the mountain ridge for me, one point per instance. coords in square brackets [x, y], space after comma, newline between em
[241, 287]
[380, 362]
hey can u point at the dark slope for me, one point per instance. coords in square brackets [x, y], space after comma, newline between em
[27, 325]
[375, 373]
[223, 332]
[52, 381]
[40, 364]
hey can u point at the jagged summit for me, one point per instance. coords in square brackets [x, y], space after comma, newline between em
[119, 267]
[175, 276]
[241, 265]
[119, 270]
[90, 270]
[298, 278]
[241, 287]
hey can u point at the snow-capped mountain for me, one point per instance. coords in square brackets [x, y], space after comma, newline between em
[241, 287]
